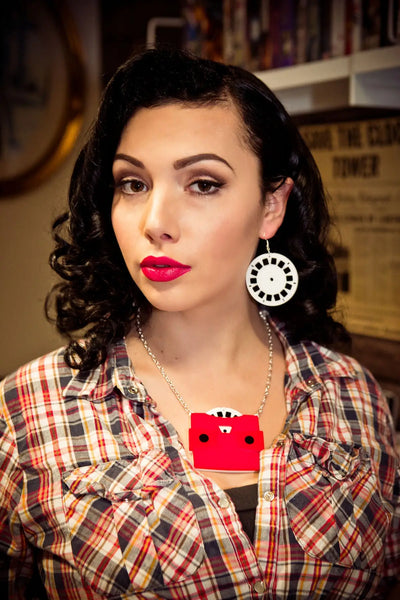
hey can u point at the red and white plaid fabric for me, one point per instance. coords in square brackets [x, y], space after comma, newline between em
[96, 490]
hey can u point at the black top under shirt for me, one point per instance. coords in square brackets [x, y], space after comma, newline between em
[245, 499]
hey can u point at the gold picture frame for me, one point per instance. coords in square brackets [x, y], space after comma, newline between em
[42, 91]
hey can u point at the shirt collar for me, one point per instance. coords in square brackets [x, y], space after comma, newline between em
[115, 372]
[307, 363]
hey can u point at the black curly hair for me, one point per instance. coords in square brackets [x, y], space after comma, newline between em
[97, 298]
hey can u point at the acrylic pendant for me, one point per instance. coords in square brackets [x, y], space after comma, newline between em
[272, 279]
[225, 443]
[224, 411]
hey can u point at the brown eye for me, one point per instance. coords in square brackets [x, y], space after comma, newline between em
[206, 186]
[132, 186]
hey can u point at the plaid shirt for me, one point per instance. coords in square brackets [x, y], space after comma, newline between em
[96, 489]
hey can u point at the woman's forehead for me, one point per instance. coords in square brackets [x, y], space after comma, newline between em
[207, 118]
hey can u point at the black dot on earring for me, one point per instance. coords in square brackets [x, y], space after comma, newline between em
[249, 439]
[203, 437]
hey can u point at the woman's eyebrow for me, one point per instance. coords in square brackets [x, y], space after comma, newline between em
[181, 163]
[190, 160]
[131, 159]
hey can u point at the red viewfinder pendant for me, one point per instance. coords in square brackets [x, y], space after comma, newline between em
[226, 443]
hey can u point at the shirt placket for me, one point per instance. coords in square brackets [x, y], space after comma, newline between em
[269, 511]
[244, 552]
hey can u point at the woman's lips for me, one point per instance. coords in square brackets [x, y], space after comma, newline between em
[162, 268]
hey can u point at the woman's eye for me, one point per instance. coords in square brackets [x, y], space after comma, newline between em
[205, 186]
[132, 186]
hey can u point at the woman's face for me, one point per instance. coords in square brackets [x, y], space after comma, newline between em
[187, 209]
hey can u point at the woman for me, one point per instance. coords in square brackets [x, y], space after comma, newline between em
[196, 438]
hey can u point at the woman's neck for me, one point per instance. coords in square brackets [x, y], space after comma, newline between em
[196, 336]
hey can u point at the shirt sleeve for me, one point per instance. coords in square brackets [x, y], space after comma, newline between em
[16, 561]
[392, 543]
[389, 587]
[389, 474]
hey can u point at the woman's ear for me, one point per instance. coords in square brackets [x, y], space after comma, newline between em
[275, 208]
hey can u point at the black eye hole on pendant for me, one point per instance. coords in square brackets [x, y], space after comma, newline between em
[203, 437]
[249, 439]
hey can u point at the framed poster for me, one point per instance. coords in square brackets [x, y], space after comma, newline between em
[42, 91]
[360, 167]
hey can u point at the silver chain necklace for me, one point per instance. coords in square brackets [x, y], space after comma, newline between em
[171, 385]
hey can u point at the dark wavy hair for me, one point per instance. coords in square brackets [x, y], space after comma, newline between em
[97, 298]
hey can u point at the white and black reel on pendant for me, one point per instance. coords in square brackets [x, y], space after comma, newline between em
[272, 278]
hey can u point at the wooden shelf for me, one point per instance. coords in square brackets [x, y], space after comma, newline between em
[365, 79]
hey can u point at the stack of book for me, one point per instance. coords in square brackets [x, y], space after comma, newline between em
[265, 34]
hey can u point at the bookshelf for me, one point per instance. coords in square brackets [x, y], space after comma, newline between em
[369, 79]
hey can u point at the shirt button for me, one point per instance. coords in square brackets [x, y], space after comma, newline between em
[223, 502]
[313, 384]
[259, 587]
[269, 496]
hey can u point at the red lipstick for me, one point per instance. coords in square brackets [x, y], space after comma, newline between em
[162, 268]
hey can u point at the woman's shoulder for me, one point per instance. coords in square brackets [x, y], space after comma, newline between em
[320, 361]
[339, 363]
[50, 379]
[356, 382]
[353, 390]
[45, 367]
[41, 377]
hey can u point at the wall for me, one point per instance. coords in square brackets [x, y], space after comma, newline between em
[25, 223]
[359, 161]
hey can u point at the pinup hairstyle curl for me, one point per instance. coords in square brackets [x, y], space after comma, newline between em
[97, 298]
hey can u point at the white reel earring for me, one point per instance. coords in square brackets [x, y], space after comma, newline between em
[271, 278]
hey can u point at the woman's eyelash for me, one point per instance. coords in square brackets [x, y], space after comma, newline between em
[131, 185]
[206, 186]
[200, 186]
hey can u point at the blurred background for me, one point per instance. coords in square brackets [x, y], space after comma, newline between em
[335, 64]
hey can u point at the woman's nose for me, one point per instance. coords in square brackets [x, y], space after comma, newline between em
[160, 221]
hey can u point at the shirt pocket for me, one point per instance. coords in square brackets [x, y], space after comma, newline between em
[334, 504]
[132, 525]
